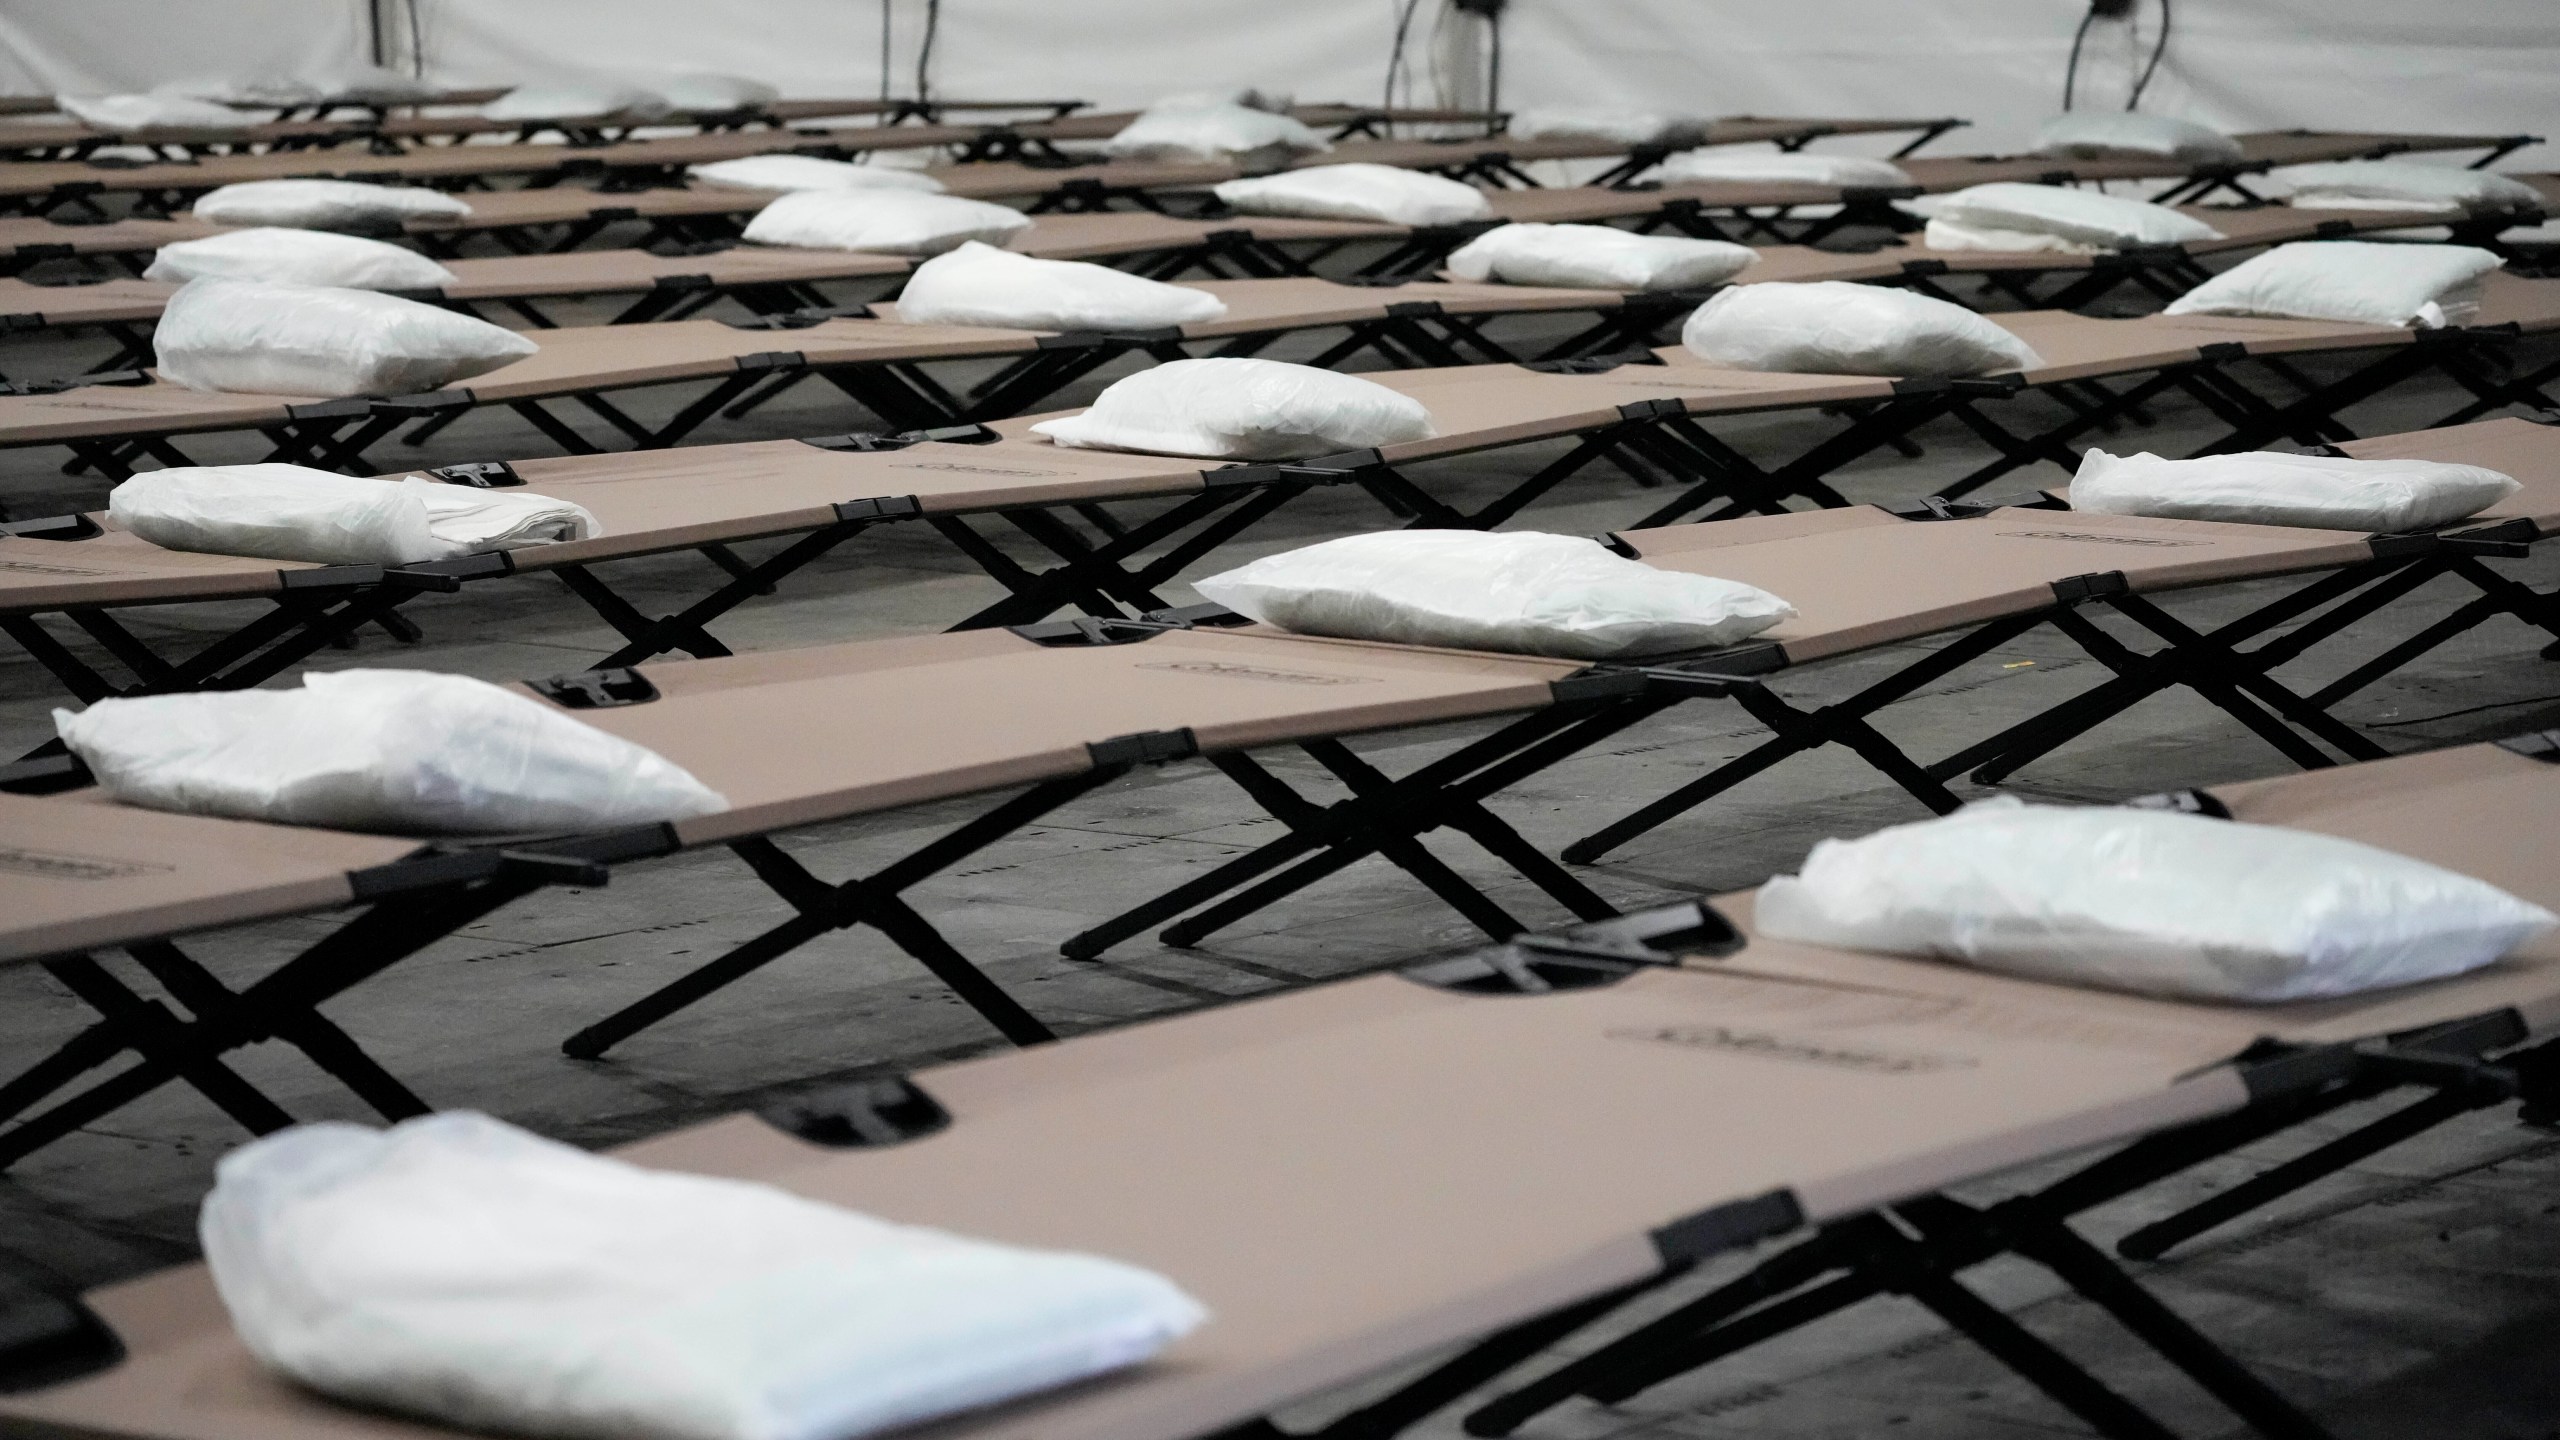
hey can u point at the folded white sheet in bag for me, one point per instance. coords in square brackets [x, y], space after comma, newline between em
[326, 205]
[1597, 257]
[1360, 191]
[258, 338]
[1716, 162]
[1614, 125]
[577, 100]
[2006, 215]
[2098, 134]
[981, 285]
[1831, 327]
[880, 221]
[810, 172]
[1240, 409]
[696, 92]
[2364, 281]
[457, 1268]
[2402, 185]
[290, 512]
[298, 257]
[151, 112]
[1206, 129]
[2320, 492]
[1518, 591]
[399, 751]
[2152, 901]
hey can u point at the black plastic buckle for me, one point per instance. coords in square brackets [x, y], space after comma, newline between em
[1584, 957]
[2072, 589]
[596, 689]
[1146, 747]
[1375, 282]
[1415, 310]
[46, 775]
[2221, 351]
[880, 507]
[53, 527]
[480, 475]
[330, 577]
[2402, 545]
[1654, 409]
[1098, 339]
[682, 282]
[1090, 630]
[874, 441]
[764, 360]
[863, 1115]
[1598, 685]
[1592, 364]
[2183, 802]
[804, 318]
[1939, 507]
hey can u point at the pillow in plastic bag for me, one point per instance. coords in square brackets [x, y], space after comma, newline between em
[404, 752]
[1615, 126]
[151, 112]
[1520, 592]
[298, 257]
[2152, 901]
[982, 285]
[809, 172]
[1383, 193]
[2099, 134]
[700, 93]
[2010, 216]
[2318, 492]
[880, 222]
[1714, 163]
[1210, 130]
[289, 512]
[326, 205]
[576, 100]
[2362, 281]
[1238, 409]
[459, 1269]
[2403, 185]
[252, 337]
[1831, 327]
[1597, 257]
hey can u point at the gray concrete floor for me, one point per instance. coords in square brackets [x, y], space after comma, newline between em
[2417, 1293]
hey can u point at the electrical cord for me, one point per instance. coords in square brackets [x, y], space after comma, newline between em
[2071, 72]
[1395, 56]
[924, 52]
[2159, 47]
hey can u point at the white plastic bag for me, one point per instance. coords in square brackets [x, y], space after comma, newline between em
[2152, 901]
[1831, 327]
[546, 100]
[695, 92]
[252, 337]
[1714, 163]
[399, 751]
[1361, 191]
[809, 172]
[298, 257]
[1237, 409]
[2081, 217]
[982, 285]
[1597, 257]
[2403, 185]
[1609, 124]
[1521, 592]
[326, 205]
[880, 221]
[2362, 281]
[462, 1270]
[362, 83]
[289, 512]
[2099, 134]
[151, 112]
[2319, 492]
[1208, 130]
[258, 91]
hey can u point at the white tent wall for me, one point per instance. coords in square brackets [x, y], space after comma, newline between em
[94, 47]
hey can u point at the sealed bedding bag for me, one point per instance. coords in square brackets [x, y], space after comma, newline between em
[251, 337]
[2010, 216]
[291, 512]
[809, 172]
[2403, 185]
[1520, 592]
[2152, 901]
[298, 257]
[1632, 128]
[1205, 129]
[1383, 193]
[326, 205]
[2318, 492]
[2360, 281]
[701, 93]
[981, 285]
[1832, 327]
[1597, 257]
[546, 100]
[404, 752]
[880, 221]
[1716, 163]
[458, 1269]
[2105, 134]
[151, 112]
[1239, 409]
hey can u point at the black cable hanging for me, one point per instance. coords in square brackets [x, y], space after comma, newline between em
[1395, 56]
[885, 86]
[924, 52]
[2159, 47]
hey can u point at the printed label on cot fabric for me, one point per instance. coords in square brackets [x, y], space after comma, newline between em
[37, 567]
[977, 469]
[2092, 538]
[60, 865]
[1232, 671]
[1771, 1045]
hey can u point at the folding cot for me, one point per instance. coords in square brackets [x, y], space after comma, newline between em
[25, 141]
[1784, 1086]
